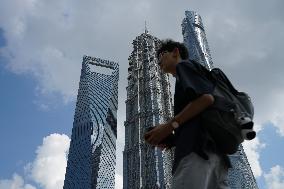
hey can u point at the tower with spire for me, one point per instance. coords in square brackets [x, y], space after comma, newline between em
[148, 104]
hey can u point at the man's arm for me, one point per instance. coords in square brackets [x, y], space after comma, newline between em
[194, 108]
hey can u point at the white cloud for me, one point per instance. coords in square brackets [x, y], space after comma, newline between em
[252, 149]
[50, 46]
[277, 117]
[17, 182]
[275, 178]
[49, 167]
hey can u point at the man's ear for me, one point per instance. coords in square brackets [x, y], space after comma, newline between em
[176, 52]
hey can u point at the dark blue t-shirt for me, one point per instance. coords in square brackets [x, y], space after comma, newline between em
[192, 81]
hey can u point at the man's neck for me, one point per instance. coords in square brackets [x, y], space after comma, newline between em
[178, 61]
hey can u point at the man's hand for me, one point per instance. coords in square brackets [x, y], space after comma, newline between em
[163, 146]
[159, 133]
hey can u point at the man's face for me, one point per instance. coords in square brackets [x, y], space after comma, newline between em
[167, 61]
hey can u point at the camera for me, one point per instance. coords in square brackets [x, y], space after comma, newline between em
[247, 128]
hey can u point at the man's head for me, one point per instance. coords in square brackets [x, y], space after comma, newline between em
[169, 54]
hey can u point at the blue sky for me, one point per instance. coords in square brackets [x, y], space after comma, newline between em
[40, 62]
[24, 124]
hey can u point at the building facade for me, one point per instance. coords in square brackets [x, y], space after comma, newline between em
[240, 175]
[194, 38]
[92, 154]
[148, 104]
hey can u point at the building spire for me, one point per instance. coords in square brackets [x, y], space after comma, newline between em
[146, 30]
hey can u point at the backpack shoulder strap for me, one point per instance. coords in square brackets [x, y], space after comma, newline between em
[201, 69]
[219, 75]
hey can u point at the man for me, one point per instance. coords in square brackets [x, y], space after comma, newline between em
[197, 163]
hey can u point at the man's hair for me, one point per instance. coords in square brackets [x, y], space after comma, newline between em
[169, 45]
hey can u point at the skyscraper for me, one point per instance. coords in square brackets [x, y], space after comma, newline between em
[148, 104]
[91, 159]
[194, 38]
[241, 175]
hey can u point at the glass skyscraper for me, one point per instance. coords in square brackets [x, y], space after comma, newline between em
[241, 175]
[92, 153]
[194, 38]
[148, 104]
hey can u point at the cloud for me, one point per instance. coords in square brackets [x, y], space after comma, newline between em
[275, 178]
[252, 149]
[50, 47]
[49, 167]
[17, 182]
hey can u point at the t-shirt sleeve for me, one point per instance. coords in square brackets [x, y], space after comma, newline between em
[193, 82]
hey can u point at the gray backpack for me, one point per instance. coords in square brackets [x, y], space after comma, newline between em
[229, 119]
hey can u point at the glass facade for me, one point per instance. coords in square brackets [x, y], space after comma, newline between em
[194, 38]
[241, 175]
[148, 104]
[91, 158]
